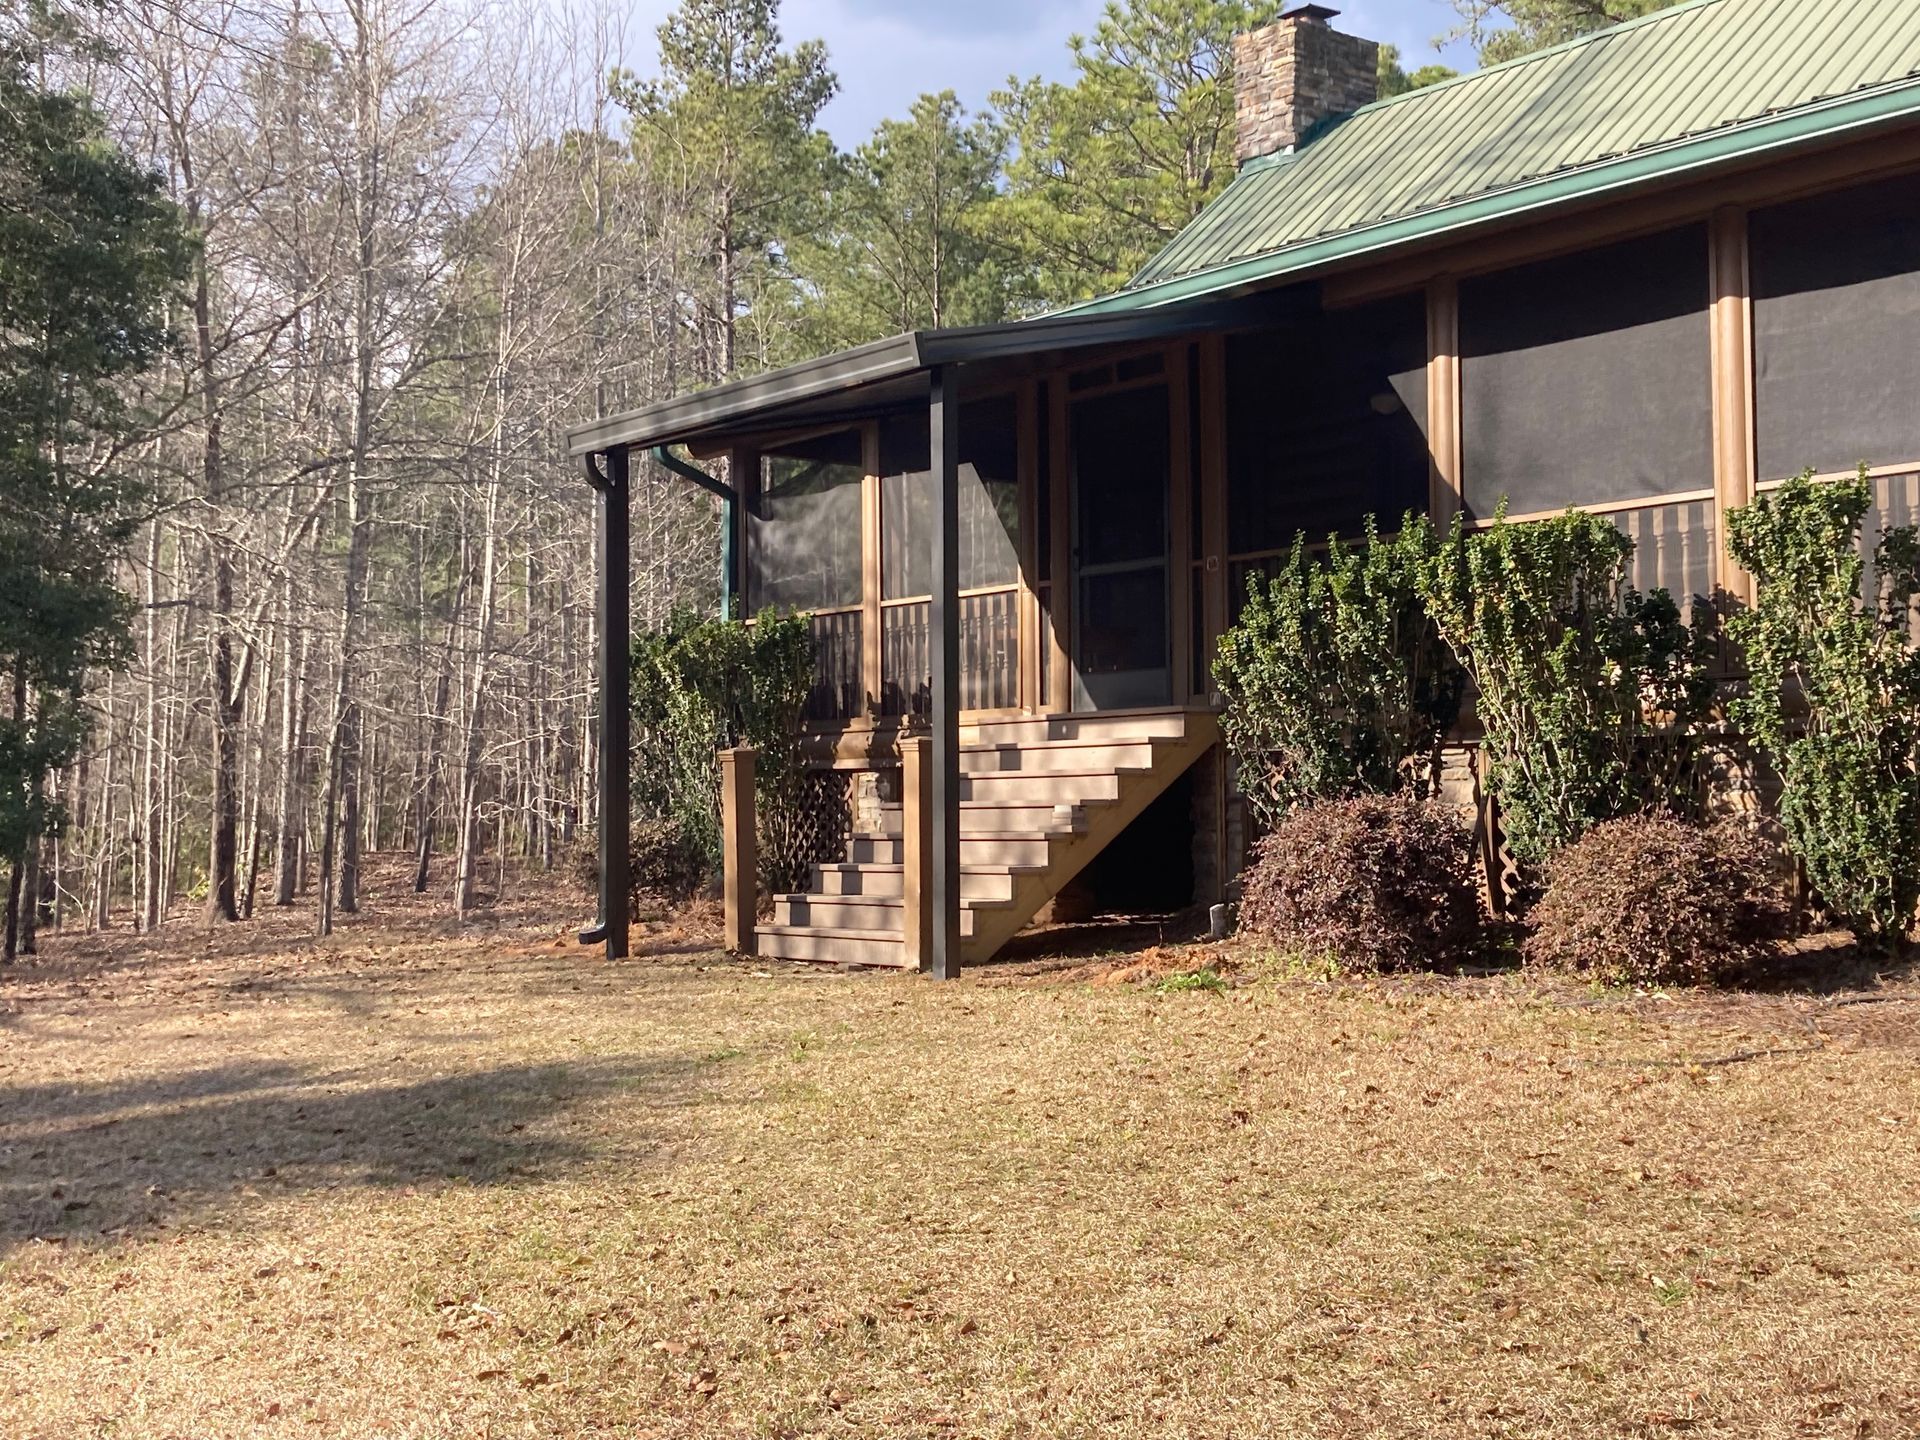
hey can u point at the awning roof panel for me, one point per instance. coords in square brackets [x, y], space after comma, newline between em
[887, 373]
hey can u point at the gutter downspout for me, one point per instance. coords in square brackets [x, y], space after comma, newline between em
[729, 499]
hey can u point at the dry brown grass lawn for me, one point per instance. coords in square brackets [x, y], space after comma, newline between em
[413, 1183]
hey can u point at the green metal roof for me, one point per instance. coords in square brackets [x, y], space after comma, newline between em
[1695, 85]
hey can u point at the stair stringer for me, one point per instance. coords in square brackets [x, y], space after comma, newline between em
[1068, 855]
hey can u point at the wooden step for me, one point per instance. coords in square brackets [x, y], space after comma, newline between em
[1050, 755]
[978, 883]
[879, 914]
[992, 847]
[979, 817]
[1039, 798]
[1136, 789]
[1020, 790]
[1051, 787]
[1109, 724]
[833, 947]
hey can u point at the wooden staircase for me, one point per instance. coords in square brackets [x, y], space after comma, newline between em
[1039, 799]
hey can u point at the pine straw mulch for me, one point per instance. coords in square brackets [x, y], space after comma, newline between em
[430, 1180]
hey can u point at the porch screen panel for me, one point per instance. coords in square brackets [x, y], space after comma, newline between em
[989, 500]
[803, 534]
[1587, 380]
[1836, 326]
[1326, 424]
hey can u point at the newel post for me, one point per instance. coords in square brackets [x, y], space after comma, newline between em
[740, 866]
[916, 848]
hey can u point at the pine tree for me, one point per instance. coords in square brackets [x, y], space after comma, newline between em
[1108, 169]
[1502, 29]
[90, 254]
[1395, 79]
[905, 247]
[730, 126]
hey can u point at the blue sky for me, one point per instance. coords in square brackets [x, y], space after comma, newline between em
[886, 52]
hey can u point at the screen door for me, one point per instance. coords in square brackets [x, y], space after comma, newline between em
[1121, 466]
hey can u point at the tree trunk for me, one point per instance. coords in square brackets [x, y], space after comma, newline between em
[10, 943]
[227, 697]
[436, 735]
[343, 733]
[17, 871]
[31, 898]
[288, 819]
[340, 809]
[352, 777]
[255, 790]
[471, 728]
[100, 900]
[150, 776]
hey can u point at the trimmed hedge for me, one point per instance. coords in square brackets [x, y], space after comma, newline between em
[1654, 900]
[1376, 882]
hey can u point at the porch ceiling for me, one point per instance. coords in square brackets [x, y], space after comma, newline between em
[890, 374]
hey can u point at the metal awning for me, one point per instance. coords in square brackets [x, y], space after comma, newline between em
[889, 374]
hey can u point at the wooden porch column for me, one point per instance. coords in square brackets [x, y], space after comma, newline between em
[1210, 412]
[743, 469]
[1059, 698]
[740, 848]
[1180, 524]
[943, 417]
[872, 681]
[1445, 497]
[612, 560]
[916, 848]
[1734, 474]
[1027, 427]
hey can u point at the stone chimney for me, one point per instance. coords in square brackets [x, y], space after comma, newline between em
[1296, 73]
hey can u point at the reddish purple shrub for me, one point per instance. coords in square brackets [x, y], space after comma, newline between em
[1655, 900]
[1377, 882]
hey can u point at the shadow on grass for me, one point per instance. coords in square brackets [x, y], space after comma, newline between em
[32, 1106]
[1830, 964]
[1101, 937]
[111, 1158]
[1124, 937]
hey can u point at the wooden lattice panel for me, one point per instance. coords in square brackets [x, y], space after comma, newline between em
[816, 834]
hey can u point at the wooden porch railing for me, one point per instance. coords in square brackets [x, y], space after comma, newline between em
[836, 694]
[989, 653]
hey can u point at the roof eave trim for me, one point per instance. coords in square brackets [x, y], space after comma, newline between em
[740, 404]
[1681, 157]
[693, 413]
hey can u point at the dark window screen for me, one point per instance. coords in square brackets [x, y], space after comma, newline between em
[1326, 424]
[1122, 456]
[803, 535]
[1836, 319]
[1587, 379]
[989, 499]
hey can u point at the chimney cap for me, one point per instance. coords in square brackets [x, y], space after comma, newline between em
[1316, 14]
